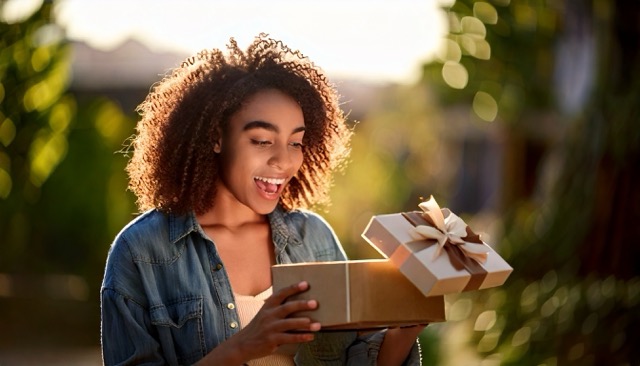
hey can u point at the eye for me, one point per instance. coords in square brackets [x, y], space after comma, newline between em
[260, 142]
[297, 145]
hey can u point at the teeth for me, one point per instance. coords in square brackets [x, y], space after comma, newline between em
[271, 180]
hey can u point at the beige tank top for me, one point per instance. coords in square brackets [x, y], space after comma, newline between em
[248, 306]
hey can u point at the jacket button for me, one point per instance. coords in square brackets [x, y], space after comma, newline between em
[233, 325]
[231, 306]
[218, 266]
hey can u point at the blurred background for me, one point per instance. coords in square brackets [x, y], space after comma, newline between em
[522, 116]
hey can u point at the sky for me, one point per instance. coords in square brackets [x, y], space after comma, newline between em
[375, 40]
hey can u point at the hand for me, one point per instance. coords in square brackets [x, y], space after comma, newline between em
[270, 328]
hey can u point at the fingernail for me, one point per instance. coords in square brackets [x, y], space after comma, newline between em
[303, 285]
[312, 304]
[314, 327]
[309, 337]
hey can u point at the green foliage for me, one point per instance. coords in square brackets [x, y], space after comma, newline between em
[35, 112]
[62, 189]
[574, 296]
[36, 115]
[81, 225]
[62, 192]
[557, 319]
[429, 346]
[497, 57]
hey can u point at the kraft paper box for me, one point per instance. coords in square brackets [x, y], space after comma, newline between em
[359, 294]
[437, 251]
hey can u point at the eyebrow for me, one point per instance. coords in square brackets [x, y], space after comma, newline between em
[268, 126]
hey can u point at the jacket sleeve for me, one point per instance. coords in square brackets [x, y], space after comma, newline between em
[126, 331]
[126, 339]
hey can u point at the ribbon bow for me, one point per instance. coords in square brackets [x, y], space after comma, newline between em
[450, 230]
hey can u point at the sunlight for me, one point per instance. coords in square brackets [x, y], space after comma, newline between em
[374, 40]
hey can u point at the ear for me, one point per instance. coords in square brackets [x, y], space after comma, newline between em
[217, 146]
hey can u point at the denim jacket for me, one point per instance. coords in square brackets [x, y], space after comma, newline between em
[167, 299]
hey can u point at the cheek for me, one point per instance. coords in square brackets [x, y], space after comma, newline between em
[230, 163]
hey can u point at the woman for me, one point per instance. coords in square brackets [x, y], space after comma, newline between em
[230, 151]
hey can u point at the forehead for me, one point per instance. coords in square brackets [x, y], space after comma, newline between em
[263, 98]
[269, 105]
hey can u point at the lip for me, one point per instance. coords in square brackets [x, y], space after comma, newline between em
[280, 181]
[272, 180]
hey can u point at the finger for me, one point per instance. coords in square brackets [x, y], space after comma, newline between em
[295, 325]
[295, 306]
[315, 326]
[280, 296]
[287, 338]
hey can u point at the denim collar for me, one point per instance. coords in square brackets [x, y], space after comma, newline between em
[282, 232]
[182, 225]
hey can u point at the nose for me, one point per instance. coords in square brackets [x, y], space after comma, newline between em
[281, 158]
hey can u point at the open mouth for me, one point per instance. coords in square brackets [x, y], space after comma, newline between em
[270, 186]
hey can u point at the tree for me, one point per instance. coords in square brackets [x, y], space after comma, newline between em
[570, 214]
[62, 190]
[36, 115]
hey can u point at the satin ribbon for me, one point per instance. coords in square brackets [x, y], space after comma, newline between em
[449, 230]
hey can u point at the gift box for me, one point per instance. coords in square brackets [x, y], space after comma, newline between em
[362, 294]
[436, 250]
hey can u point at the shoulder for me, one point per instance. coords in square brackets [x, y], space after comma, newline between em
[146, 246]
[309, 224]
[152, 221]
[139, 235]
[155, 237]
[130, 237]
[316, 234]
[145, 239]
[309, 219]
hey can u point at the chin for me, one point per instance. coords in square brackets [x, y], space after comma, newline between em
[265, 208]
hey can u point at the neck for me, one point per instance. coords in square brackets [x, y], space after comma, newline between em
[229, 213]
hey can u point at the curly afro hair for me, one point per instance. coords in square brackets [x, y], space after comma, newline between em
[173, 167]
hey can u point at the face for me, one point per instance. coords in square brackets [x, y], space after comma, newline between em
[262, 150]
